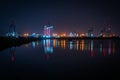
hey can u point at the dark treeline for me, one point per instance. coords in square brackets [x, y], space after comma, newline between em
[7, 42]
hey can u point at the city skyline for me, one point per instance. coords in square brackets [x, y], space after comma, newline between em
[48, 31]
[59, 39]
[65, 16]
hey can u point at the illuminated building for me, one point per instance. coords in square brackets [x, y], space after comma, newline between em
[106, 32]
[72, 34]
[63, 35]
[12, 31]
[90, 32]
[48, 31]
[103, 32]
[82, 35]
[26, 35]
[35, 35]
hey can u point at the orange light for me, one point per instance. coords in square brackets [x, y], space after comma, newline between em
[54, 42]
[82, 35]
[54, 34]
[104, 35]
[64, 44]
[82, 45]
[26, 34]
[63, 35]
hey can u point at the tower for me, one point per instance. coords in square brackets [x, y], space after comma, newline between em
[12, 27]
[48, 30]
[12, 30]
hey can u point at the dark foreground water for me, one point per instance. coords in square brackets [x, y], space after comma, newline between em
[61, 59]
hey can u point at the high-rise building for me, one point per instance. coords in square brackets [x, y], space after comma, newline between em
[105, 32]
[48, 31]
[90, 32]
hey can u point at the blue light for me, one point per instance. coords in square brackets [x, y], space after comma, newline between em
[13, 34]
[48, 46]
[92, 35]
[33, 34]
[71, 45]
[46, 36]
[91, 45]
[100, 48]
[33, 44]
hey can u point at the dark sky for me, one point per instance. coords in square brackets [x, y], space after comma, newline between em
[65, 16]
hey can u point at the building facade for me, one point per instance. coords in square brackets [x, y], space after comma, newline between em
[48, 31]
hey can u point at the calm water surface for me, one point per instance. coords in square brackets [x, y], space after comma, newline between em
[59, 59]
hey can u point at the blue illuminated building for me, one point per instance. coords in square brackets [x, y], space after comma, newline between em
[48, 31]
[12, 32]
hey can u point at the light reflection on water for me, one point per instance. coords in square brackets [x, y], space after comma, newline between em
[91, 47]
[12, 52]
[105, 47]
[48, 46]
[56, 57]
[92, 51]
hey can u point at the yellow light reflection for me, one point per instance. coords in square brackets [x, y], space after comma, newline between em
[113, 49]
[26, 45]
[61, 43]
[77, 44]
[64, 44]
[54, 42]
[82, 45]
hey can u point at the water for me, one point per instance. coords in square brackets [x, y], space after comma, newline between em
[61, 59]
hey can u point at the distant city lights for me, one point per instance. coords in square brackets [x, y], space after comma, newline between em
[49, 33]
[26, 34]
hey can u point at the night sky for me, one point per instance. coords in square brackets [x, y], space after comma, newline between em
[65, 16]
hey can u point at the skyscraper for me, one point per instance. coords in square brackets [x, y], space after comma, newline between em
[12, 32]
[48, 31]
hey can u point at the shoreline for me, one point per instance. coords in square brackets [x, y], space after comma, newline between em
[8, 42]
